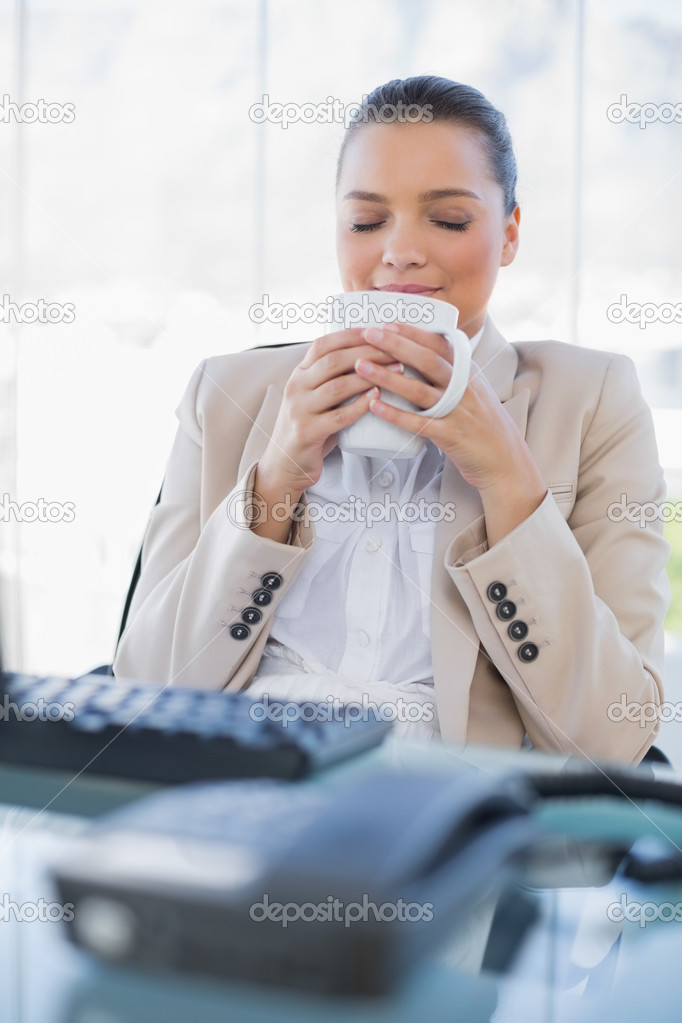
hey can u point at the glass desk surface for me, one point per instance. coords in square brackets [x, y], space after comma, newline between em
[575, 965]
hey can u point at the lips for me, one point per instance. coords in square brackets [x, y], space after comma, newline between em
[409, 289]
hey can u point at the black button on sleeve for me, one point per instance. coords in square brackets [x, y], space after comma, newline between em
[240, 631]
[261, 597]
[251, 615]
[528, 652]
[497, 592]
[518, 630]
[271, 580]
[506, 609]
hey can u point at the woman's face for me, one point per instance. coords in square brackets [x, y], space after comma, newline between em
[417, 206]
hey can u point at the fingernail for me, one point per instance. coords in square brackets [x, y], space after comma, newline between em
[373, 334]
[395, 367]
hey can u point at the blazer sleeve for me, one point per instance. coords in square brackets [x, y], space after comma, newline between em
[592, 590]
[196, 580]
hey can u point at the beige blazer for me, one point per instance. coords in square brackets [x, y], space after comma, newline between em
[589, 582]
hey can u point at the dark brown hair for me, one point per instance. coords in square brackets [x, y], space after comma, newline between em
[430, 98]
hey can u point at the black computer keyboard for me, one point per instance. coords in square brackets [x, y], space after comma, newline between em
[107, 726]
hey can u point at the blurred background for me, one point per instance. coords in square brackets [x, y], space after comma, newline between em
[144, 210]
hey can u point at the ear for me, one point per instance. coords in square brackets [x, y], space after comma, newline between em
[511, 237]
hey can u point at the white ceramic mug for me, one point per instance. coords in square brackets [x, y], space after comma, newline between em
[371, 435]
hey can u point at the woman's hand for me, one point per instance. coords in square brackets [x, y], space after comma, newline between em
[310, 415]
[478, 436]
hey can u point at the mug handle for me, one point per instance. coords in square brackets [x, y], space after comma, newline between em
[459, 378]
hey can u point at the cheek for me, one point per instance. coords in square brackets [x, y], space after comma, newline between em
[479, 255]
[353, 254]
[343, 259]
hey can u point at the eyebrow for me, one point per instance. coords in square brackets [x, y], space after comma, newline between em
[432, 196]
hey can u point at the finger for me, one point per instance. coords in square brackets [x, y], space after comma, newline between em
[340, 339]
[422, 425]
[426, 338]
[315, 427]
[338, 418]
[420, 392]
[426, 360]
[334, 392]
[341, 361]
[325, 344]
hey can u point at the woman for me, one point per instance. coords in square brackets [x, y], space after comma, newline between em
[533, 614]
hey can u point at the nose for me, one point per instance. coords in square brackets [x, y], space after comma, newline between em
[402, 248]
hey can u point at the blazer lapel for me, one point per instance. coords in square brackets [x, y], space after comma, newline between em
[454, 641]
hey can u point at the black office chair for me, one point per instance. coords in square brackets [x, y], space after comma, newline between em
[654, 755]
[107, 669]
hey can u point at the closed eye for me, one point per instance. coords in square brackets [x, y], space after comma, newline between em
[452, 226]
[448, 225]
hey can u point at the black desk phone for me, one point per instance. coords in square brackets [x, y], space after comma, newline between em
[330, 887]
